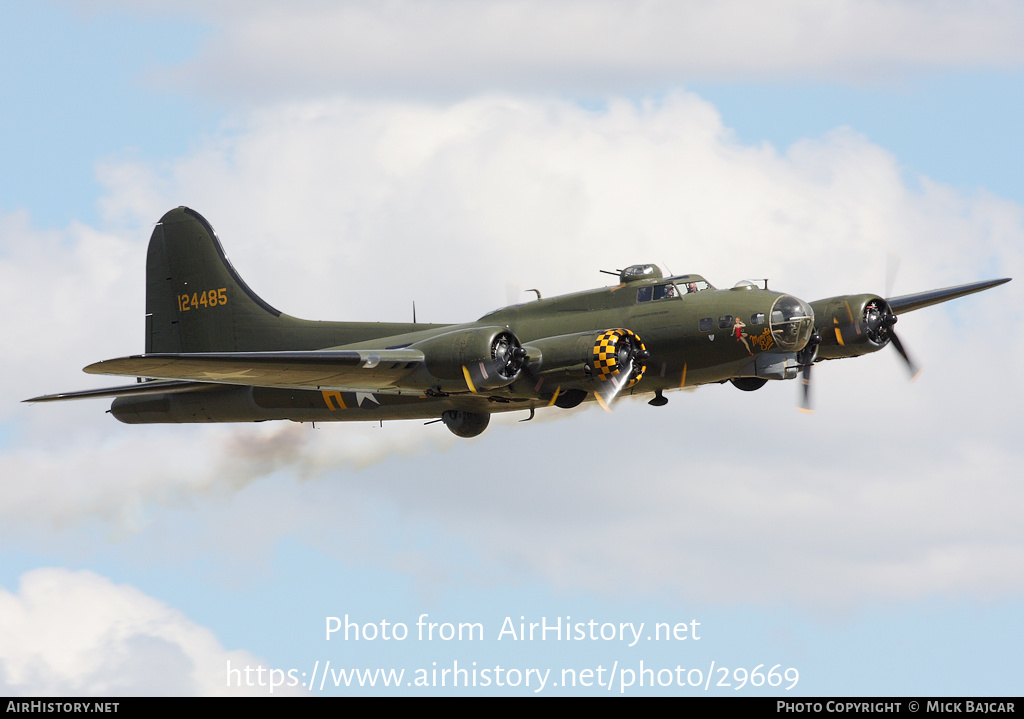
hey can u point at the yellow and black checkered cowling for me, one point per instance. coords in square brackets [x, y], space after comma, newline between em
[606, 359]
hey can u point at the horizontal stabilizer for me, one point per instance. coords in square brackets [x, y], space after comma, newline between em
[139, 388]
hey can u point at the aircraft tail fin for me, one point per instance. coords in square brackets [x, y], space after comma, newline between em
[195, 301]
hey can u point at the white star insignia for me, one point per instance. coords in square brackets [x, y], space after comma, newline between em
[360, 396]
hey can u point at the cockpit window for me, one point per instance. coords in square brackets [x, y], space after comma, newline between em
[688, 284]
[657, 292]
[665, 292]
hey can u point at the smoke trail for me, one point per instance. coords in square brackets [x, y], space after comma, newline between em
[119, 481]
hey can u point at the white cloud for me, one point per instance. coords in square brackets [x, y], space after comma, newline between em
[76, 633]
[444, 205]
[64, 289]
[352, 209]
[454, 47]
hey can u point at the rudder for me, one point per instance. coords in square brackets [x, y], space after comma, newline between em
[195, 301]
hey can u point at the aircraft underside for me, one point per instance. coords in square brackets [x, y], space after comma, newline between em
[466, 416]
[258, 404]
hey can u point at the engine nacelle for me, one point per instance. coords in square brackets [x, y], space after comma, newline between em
[585, 356]
[619, 352]
[477, 358]
[852, 325]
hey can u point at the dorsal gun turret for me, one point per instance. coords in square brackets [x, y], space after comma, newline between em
[634, 273]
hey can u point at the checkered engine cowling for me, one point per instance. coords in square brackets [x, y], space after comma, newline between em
[613, 351]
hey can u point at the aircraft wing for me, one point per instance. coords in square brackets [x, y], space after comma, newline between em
[908, 303]
[352, 370]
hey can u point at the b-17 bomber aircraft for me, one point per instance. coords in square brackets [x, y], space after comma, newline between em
[216, 352]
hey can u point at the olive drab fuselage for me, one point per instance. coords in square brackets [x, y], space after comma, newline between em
[692, 338]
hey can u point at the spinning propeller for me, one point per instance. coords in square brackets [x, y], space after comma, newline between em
[619, 361]
[888, 318]
[874, 323]
[806, 359]
[879, 320]
[507, 359]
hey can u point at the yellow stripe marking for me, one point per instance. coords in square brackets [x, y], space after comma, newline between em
[469, 382]
[856, 325]
[682, 382]
[328, 396]
[555, 396]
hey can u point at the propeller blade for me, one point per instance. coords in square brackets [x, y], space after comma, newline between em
[889, 320]
[806, 359]
[913, 368]
[805, 380]
[611, 389]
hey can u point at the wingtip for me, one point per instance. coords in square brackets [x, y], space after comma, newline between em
[43, 398]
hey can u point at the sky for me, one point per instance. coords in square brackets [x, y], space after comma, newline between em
[356, 157]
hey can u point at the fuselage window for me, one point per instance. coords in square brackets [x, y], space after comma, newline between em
[643, 294]
[757, 318]
[725, 323]
[706, 324]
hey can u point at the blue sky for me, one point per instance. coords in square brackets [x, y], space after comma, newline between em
[882, 558]
[955, 127]
[78, 79]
